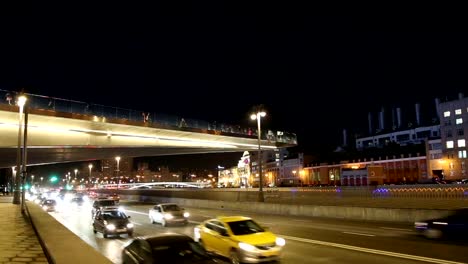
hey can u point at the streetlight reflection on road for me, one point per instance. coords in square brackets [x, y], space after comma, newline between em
[258, 115]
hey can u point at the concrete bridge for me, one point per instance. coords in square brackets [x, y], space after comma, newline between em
[63, 131]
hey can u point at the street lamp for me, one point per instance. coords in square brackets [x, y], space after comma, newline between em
[294, 172]
[90, 166]
[76, 171]
[258, 115]
[118, 177]
[16, 193]
[42, 178]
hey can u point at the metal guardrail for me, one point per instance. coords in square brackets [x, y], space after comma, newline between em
[83, 108]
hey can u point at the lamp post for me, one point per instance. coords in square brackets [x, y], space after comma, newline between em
[258, 115]
[118, 177]
[42, 178]
[294, 172]
[76, 171]
[16, 192]
[90, 166]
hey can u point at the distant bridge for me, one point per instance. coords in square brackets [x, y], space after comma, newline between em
[150, 185]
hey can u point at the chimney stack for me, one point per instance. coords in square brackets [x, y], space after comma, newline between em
[460, 96]
[369, 119]
[398, 116]
[437, 102]
[418, 117]
[381, 120]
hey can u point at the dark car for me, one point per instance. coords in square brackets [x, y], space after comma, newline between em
[103, 204]
[165, 248]
[112, 222]
[452, 226]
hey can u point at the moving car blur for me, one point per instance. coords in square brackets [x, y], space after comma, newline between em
[168, 213]
[112, 222]
[103, 204]
[49, 205]
[240, 239]
[165, 248]
[454, 225]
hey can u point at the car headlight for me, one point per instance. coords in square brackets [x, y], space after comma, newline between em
[168, 216]
[246, 247]
[129, 225]
[110, 227]
[280, 241]
[121, 209]
[420, 224]
[186, 214]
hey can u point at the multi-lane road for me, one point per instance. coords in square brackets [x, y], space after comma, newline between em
[308, 240]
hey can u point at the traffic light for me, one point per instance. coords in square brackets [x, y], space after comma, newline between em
[54, 179]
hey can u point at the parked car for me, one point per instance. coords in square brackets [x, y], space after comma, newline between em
[240, 239]
[103, 204]
[112, 222]
[168, 213]
[49, 205]
[453, 226]
[165, 248]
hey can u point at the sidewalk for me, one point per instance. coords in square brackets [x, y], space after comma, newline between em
[18, 241]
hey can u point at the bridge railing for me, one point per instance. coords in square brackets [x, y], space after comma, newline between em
[76, 107]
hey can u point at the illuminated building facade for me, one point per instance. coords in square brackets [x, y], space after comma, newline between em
[374, 172]
[454, 136]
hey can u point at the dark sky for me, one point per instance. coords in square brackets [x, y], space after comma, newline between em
[315, 74]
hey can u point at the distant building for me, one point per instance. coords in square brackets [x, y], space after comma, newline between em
[454, 136]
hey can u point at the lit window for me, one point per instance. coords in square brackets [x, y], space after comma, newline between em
[462, 155]
[446, 113]
[458, 111]
[459, 121]
[450, 144]
[461, 143]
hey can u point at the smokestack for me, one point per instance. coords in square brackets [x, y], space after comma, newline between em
[369, 119]
[398, 116]
[437, 102]
[345, 139]
[418, 117]
[393, 119]
[381, 120]
[460, 96]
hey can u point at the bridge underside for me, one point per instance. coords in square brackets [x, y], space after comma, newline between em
[38, 156]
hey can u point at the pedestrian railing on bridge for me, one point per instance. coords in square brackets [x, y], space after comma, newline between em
[146, 117]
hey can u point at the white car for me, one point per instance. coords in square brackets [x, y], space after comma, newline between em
[168, 213]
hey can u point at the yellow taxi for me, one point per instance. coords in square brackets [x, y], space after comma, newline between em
[240, 239]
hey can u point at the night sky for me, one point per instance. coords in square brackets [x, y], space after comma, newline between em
[315, 75]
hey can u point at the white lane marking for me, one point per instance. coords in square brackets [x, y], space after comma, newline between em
[136, 212]
[359, 234]
[372, 251]
[396, 229]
